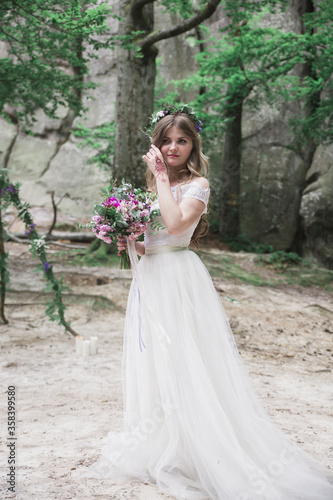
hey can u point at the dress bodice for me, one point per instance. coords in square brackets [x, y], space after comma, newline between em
[156, 237]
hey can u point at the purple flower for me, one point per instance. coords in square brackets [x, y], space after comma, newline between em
[31, 228]
[46, 267]
[11, 189]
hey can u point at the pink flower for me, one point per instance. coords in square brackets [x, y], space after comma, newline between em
[111, 202]
[96, 219]
[104, 228]
[107, 239]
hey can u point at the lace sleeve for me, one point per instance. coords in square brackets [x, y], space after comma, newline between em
[197, 192]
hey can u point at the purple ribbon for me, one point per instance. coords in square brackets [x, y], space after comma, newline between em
[137, 292]
[141, 342]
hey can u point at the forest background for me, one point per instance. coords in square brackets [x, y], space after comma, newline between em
[259, 74]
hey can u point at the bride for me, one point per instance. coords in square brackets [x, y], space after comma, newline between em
[193, 424]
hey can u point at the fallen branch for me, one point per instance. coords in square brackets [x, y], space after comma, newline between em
[54, 206]
[12, 237]
[80, 237]
[76, 247]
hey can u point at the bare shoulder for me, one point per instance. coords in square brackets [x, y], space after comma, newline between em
[203, 182]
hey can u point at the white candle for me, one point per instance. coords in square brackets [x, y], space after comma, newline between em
[85, 348]
[78, 344]
[93, 345]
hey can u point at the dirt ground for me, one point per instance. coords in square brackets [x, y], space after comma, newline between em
[66, 404]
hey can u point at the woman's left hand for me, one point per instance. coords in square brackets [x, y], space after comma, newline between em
[155, 162]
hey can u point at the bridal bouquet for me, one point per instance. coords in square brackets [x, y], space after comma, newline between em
[125, 212]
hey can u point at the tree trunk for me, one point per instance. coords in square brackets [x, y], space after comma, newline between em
[135, 98]
[3, 273]
[307, 148]
[229, 214]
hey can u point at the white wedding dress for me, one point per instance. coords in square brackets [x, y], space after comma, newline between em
[193, 424]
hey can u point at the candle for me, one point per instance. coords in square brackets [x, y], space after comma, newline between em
[78, 344]
[93, 345]
[85, 348]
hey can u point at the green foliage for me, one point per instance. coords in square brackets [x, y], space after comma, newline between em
[98, 253]
[242, 63]
[244, 244]
[315, 91]
[294, 270]
[223, 267]
[49, 46]
[247, 61]
[182, 7]
[100, 139]
[4, 272]
[280, 260]
[55, 309]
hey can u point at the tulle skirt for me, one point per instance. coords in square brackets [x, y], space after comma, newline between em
[193, 424]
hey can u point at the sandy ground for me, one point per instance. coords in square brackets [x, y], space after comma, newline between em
[66, 404]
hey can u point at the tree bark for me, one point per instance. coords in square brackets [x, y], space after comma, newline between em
[229, 213]
[136, 82]
[135, 99]
[308, 148]
[3, 273]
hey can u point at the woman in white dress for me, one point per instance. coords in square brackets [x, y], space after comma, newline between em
[193, 424]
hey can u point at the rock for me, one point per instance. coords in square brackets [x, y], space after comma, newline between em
[101, 100]
[74, 178]
[102, 108]
[271, 184]
[44, 124]
[30, 157]
[272, 174]
[317, 207]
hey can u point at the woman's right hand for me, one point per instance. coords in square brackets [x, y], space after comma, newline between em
[121, 244]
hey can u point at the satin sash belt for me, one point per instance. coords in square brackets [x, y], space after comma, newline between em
[162, 249]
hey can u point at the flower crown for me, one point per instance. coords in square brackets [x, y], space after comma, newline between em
[171, 109]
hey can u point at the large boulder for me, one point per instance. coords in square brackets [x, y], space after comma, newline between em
[72, 179]
[271, 186]
[272, 173]
[272, 178]
[29, 158]
[317, 207]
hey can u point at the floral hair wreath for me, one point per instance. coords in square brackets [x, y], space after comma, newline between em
[171, 109]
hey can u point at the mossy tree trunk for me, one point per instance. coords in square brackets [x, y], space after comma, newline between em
[3, 273]
[135, 99]
[136, 82]
[231, 169]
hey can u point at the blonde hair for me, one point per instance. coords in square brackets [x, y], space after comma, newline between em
[197, 163]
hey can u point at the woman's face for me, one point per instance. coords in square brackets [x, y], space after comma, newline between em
[176, 148]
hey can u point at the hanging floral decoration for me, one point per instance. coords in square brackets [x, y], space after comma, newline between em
[55, 308]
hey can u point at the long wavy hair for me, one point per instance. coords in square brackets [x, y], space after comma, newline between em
[197, 163]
